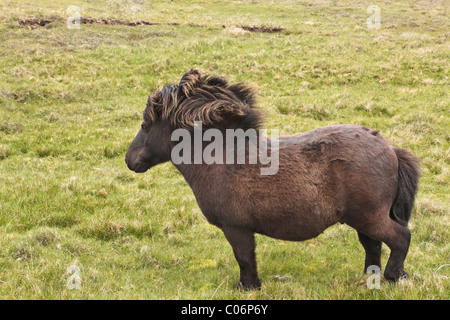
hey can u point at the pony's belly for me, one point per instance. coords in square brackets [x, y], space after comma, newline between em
[294, 236]
[291, 230]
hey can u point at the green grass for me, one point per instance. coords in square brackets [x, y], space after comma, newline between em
[71, 102]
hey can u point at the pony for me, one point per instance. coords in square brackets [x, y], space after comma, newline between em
[335, 174]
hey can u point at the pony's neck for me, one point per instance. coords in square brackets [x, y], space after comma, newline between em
[225, 152]
[197, 174]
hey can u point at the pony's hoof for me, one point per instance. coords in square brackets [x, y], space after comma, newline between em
[403, 275]
[397, 276]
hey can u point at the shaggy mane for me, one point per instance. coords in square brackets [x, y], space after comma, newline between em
[205, 98]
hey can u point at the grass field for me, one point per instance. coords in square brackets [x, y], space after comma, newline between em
[71, 102]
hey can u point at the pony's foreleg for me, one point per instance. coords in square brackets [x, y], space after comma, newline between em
[243, 243]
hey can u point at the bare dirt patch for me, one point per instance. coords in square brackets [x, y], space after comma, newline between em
[34, 22]
[260, 29]
[37, 22]
[257, 29]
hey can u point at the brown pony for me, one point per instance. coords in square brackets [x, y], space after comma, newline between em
[343, 173]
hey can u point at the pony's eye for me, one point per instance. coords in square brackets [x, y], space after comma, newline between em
[144, 126]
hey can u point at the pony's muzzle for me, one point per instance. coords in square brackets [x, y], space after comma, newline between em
[134, 164]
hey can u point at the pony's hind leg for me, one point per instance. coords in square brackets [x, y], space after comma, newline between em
[399, 246]
[395, 236]
[373, 251]
[243, 243]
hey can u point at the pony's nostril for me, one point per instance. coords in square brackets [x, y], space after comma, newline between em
[129, 166]
[133, 166]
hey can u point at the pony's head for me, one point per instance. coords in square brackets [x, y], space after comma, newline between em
[197, 97]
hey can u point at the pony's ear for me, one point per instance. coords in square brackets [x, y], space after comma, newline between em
[216, 81]
[154, 107]
[190, 80]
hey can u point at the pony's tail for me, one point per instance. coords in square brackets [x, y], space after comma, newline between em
[408, 180]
